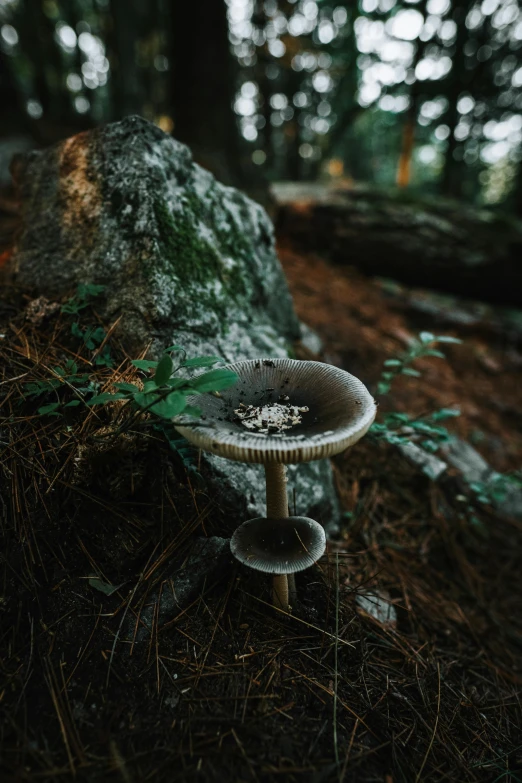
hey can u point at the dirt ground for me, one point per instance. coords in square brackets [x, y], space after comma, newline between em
[228, 688]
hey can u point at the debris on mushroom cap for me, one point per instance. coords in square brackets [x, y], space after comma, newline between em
[333, 423]
[270, 418]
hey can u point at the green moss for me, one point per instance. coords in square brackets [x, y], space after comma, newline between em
[231, 240]
[185, 252]
[191, 257]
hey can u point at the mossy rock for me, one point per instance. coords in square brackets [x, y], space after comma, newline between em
[184, 260]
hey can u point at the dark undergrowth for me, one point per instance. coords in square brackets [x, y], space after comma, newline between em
[97, 684]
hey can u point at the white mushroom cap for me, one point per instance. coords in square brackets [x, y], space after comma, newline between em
[279, 546]
[340, 411]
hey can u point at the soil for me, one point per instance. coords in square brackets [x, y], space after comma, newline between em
[363, 322]
[228, 688]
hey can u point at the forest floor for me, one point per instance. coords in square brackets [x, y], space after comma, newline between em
[229, 689]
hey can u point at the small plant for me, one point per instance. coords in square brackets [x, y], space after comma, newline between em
[83, 297]
[397, 428]
[424, 346]
[401, 428]
[93, 337]
[494, 490]
[63, 377]
[163, 394]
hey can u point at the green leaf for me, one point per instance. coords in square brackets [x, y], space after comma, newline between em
[163, 370]
[410, 371]
[76, 331]
[144, 399]
[93, 336]
[476, 486]
[176, 383]
[421, 426]
[175, 348]
[144, 364]
[203, 361]
[99, 399]
[193, 410]
[429, 429]
[72, 404]
[172, 406]
[433, 352]
[383, 388]
[426, 337]
[401, 418]
[387, 376]
[128, 387]
[149, 386]
[42, 387]
[445, 413]
[103, 587]
[430, 445]
[392, 363]
[50, 408]
[89, 289]
[71, 307]
[448, 339]
[104, 359]
[215, 380]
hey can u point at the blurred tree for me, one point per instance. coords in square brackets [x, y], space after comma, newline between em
[518, 187]
[458, 81]
[412, 113]
[203, 86]
[345, 105]
[423, 93]
[127, 88]
[14, 118]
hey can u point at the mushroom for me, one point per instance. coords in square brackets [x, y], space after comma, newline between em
[282, 411]
[279, 546]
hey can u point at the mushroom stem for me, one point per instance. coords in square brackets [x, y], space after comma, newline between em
[277, 508]
[292, 592]
[280, 591]
[276, 495]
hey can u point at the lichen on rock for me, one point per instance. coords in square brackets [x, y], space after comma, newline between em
[183, 258]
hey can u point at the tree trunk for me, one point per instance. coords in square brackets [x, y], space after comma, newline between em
[14, 118]
[408, 133]
[203, 87]
[518, 187]
[452, 180]
[408, 144]
[126, 78]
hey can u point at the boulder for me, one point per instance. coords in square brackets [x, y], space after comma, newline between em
[184, 260]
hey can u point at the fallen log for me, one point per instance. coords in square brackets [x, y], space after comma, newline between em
[439, 244]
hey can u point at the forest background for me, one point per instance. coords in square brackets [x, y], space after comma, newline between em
[424, 94]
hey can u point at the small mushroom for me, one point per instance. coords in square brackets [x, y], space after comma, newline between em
[320, 411]
[281, 547]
